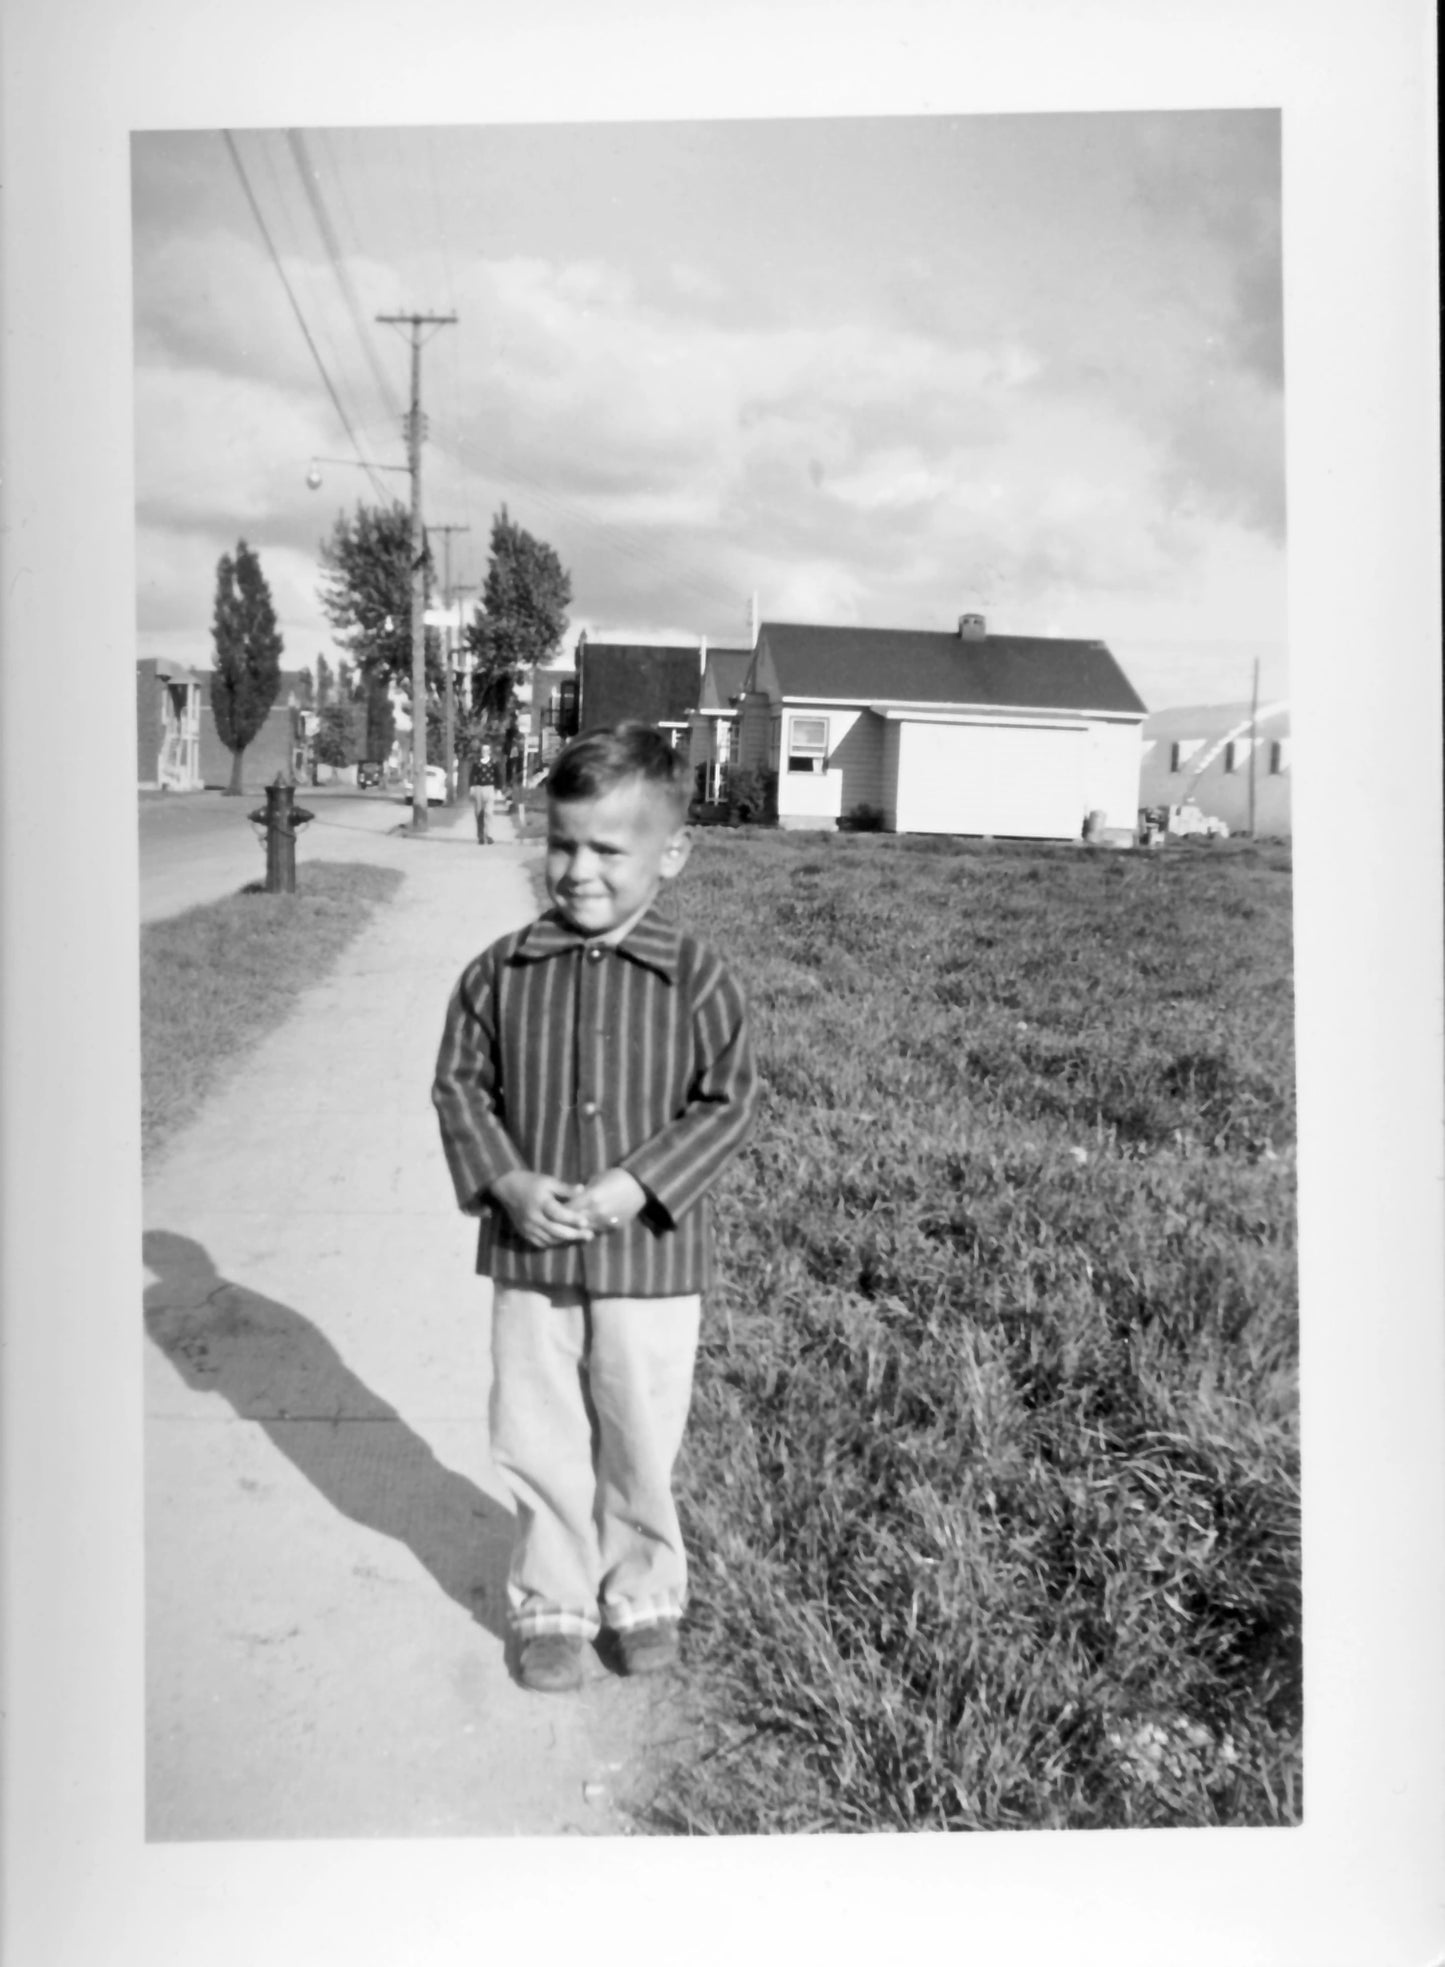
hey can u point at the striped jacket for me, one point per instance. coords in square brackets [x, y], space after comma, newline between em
[568, 1056]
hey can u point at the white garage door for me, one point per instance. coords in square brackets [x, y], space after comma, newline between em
[1017, 781]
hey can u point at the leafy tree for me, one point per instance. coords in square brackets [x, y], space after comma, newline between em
[366, 592]
[366, 595]
[300, 680]
[366, 586]
[520, 622]
[325, 683]
[247, 673]
[333, 735]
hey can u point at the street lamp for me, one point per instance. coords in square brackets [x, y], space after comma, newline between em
[313, 476]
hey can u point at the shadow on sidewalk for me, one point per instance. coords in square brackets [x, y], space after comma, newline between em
[277, 1370]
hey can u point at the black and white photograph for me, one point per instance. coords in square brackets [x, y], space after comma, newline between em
[918, 485]
[761, 1001]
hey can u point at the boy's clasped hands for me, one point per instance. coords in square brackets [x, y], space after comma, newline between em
[546, 1212]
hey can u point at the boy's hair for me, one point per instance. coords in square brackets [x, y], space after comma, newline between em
[592, 764]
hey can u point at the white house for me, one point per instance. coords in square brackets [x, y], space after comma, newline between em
[1218, 756]
[968, 733]
[169, 703]
[713, 743]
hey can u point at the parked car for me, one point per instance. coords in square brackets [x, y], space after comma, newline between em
[436, 786]
[369, 775]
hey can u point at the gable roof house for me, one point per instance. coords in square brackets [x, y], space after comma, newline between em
[1017, 736]
[714, 722]
[644, 682]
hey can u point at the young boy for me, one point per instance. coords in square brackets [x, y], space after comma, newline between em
[595, 1075]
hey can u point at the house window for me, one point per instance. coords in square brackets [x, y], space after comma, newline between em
[807, 744]
[560, 714]
[1279, 757]
[1231, 756]
[1181, 751]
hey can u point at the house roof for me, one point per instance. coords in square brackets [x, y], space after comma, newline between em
[1214, 720]
[898, 665]
[724, 677]
[653, 684]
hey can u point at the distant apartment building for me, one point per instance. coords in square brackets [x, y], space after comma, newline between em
[547, 702]
[179, 749]
[168, 716]
[640, 682]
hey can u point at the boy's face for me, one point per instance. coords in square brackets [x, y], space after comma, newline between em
[607, 857]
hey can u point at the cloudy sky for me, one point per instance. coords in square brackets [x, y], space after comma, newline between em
[874, 371]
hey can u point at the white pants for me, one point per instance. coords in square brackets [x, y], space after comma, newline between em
[589, 1402]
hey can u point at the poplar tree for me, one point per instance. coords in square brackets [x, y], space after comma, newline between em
[247, 673]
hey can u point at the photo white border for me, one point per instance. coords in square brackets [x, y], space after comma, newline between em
[1361, 1882]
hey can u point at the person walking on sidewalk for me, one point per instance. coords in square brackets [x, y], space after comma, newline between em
[595, 1076]
[484, 794]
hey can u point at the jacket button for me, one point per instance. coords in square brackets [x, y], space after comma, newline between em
[594, 954]
[589, 1109]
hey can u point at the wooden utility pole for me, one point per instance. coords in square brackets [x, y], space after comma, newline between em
[414, 434]
[449, 710]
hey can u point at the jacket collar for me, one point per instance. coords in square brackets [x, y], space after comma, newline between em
[653, 941]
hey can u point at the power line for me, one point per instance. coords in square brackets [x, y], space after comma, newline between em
[296, 308]
[295, 237]
[455, 376]
[633, 544]
[310, 184]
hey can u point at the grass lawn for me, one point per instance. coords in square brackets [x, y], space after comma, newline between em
[991, 1482]
[218, 978]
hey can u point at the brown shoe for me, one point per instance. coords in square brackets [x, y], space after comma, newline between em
[650, 1648]
[551, 1663]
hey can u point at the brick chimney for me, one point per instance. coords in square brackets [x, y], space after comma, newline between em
[972, 628]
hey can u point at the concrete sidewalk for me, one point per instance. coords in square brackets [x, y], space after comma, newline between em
[326, 1541]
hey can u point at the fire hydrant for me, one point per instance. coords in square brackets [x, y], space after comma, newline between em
[282, 820]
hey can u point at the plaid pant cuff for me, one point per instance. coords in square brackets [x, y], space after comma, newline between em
[573, 1625]
[623, 1614]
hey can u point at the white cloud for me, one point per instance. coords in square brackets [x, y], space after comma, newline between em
[1109, 464]
[895, 477]
[696, 282]
[813, 591]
